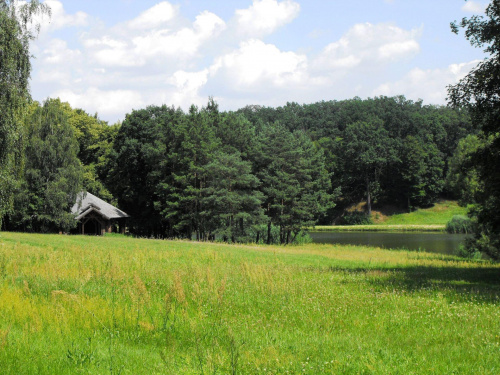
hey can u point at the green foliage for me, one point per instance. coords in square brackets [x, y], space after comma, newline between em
[16, 33]
[231, 203]
[145, 149]
[207, 175]
[53, 174]
[95, 139]
[356, 218]
[378, 138]
[463, 177]
[294, 180]
[368, 150]
[468, 252]
[459, 224]
[422, 171]
[479, 91]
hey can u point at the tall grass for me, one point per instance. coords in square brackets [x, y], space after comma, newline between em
[118, 305]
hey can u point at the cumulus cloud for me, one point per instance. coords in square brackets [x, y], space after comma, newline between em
[131, 49]
[188, 85]
[473, 7]
[57, 52]
[161, 57]
[59, 19]
[256, 62]
[427, 83]
[265, 16]
[369, 44]
[158, 15]
[183, 43]
[105, 102]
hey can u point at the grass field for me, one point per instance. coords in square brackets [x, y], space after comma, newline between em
[439, 214]
[115, 305]
[431, 219]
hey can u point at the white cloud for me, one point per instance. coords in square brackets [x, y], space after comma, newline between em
[429, 84]
[57, 52]
[473, 7]
[258, 63]
[130, 48]
[181, 44]
[53, 75]
[59, 18]
[369, 44]
[187, 86]
[160, 57]
[265, 16]
[107, 103]
[154, 17]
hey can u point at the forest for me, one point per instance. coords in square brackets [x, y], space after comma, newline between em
[258, 174]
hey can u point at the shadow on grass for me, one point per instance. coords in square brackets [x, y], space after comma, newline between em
[476, 283]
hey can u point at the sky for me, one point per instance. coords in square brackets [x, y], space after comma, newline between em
[112, 56]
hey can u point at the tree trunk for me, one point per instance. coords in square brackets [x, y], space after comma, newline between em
[269, 233]
[368, 198]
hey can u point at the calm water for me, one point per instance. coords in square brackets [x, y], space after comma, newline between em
[433, 242]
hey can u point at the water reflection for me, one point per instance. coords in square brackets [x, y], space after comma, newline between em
[443, 243]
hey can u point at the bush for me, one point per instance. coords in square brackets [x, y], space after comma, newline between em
[356, 218]
[459, 224]
[465, 251]
[302, 238]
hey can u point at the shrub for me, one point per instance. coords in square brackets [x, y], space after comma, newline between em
[465, 251]
[356, 218]
[459, 224]
[302, 238]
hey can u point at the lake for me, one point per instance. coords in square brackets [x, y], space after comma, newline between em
[443, 243]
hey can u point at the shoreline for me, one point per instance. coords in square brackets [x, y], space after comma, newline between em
[380, 228]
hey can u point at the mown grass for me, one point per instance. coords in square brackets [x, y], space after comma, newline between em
[439, 214]
[71, 304]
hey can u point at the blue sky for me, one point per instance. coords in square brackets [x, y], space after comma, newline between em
[112, 56]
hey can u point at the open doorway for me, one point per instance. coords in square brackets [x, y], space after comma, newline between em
[92, 227]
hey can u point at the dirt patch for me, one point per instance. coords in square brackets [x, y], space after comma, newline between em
[378, 217]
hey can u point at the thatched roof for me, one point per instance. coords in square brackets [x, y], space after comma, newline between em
[87, 203]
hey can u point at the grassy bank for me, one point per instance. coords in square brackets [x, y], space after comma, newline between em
[71, 304]
[380, 228]
[439, 214]
[433, 219]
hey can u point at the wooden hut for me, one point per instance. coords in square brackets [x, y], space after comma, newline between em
[96, 217]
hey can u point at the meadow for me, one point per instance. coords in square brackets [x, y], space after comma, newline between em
[432, 219]
[117, 305]
[439, 214]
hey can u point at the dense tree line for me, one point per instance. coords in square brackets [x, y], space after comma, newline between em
[380, 149]
[64, 151]
[209, 174]
[258, 174]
